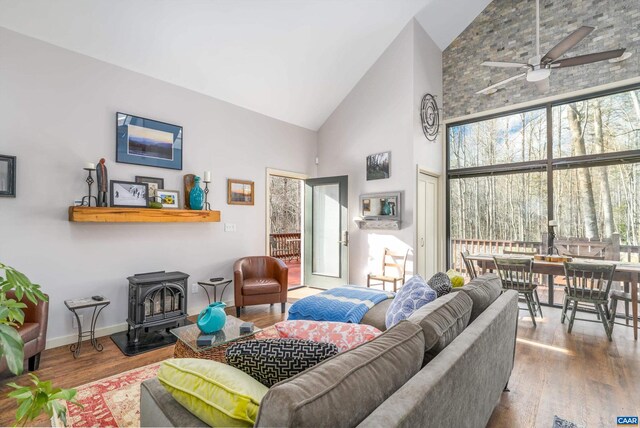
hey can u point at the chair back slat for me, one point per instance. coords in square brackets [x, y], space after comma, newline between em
[515, 272]
[589, 280]
[468, 264]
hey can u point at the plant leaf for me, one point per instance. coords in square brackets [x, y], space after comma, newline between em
[23, 409]
[12, 348]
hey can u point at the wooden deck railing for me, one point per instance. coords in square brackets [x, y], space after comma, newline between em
[285, 246]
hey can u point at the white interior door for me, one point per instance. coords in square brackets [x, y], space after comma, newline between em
[427, 217]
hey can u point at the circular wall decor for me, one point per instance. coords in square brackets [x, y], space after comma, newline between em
[430, 117]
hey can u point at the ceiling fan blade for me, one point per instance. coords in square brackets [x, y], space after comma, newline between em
[489, 88]
[505, 64]
[543, 85]
[588, 59]
[570, 41]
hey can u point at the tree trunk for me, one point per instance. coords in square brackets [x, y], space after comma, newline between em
[605, 194]
[587, 201]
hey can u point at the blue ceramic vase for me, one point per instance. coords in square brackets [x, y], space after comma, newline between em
[212, 318]
[196, 196]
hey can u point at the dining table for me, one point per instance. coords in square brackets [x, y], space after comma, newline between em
[626, 272]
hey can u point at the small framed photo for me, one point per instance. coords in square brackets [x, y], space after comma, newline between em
[239, 192]
[8, 176]
[168, 198]
[128, 194]
[378, 166]
[154, 183]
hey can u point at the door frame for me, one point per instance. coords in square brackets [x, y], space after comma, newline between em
[287, 174]
[440, 212]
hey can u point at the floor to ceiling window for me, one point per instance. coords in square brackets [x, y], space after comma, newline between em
[576, 161]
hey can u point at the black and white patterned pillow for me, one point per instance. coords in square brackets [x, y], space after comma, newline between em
[441, 283]
[273, 360]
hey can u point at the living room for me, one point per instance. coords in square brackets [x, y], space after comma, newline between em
[422, 138]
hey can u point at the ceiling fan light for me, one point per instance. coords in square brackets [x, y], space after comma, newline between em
[538, 75]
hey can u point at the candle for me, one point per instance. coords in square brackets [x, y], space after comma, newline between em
[90, 165]
[207, 176]
[553, 223]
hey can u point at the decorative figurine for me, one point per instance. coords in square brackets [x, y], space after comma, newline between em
[188, 185]
[103, 183]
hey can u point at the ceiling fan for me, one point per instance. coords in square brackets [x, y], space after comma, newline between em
[538, 69]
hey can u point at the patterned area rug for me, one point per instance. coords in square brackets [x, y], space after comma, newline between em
[115, 401]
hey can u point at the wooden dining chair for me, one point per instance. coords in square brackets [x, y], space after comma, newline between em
[620, 296]
[468, 264]
[588, 283]
[390, 260]
[516, 273]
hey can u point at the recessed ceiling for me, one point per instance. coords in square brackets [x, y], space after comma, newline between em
[294, 60]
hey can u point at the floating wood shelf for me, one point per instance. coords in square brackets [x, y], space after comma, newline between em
[140, 215]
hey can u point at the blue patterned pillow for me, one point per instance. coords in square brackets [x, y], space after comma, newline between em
[414, 294]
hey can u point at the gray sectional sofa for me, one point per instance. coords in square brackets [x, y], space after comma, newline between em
[445, 366]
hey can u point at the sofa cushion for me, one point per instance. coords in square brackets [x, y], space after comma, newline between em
[414, 294]
[254, 286]
[442, 321]
[340, 392]
[376, 316]
[273, 360]
[440, 283]
[483, 290]
[216, 393]
[344, 335]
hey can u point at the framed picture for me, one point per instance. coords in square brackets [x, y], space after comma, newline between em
[141, 141]
[169, 198]
[378, 166]
[154, 184]
[128, 194]
[8, 176]
[239, 192]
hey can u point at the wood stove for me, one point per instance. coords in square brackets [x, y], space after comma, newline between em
[157, 300]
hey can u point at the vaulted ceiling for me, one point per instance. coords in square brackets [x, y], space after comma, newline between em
[294, 60]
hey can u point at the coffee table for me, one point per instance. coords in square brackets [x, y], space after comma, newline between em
[187, 335]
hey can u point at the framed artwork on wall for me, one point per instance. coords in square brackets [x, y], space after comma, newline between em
[128, 194]
[379, 166]
[239, 192]
[141, 141]
[8, 176]
[153, 182]
[169, 198]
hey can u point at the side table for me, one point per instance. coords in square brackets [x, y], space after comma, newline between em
[87, 302]
[215, 285]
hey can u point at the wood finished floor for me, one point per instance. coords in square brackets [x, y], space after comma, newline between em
[580, 377]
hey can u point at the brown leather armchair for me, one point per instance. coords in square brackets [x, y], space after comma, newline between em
[260, 280]
[33, 331]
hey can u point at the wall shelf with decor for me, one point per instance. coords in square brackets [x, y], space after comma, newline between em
[380, 211]
[140, 215]
[368, 224]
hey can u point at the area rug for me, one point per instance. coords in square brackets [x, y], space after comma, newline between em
[115, 401]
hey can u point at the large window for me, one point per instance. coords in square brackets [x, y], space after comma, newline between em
[577, 162]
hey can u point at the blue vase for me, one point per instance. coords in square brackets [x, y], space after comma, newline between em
[386, 208]
[212, 318]
[196, 196]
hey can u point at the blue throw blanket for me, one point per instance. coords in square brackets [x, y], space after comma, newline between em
[343, 304]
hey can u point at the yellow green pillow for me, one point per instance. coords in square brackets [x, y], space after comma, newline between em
[457, 280]
[218, 394]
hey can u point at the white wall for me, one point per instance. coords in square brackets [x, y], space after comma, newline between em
[57, 111]
[378, 115]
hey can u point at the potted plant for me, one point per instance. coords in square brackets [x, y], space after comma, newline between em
[42, 396]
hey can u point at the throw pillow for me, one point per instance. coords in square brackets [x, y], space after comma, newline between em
[218, 394]
[441, 283]
[344, 335]
[270, 361]
[457, 280]
[413, 295]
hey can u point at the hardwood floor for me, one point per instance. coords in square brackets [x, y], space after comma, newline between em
[579, 377]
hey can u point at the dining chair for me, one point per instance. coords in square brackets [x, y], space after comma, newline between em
[615, 297]
[588, 283]
[391, 261]
[516, 273]
[469, 266]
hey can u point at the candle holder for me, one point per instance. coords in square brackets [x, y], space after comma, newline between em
[207, 205]
[86, 200]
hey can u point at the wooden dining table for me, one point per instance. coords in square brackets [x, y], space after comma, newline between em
[627, 273]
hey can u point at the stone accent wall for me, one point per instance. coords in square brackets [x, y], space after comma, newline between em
[505, 31]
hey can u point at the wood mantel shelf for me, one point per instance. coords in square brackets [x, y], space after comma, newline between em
[140, 215]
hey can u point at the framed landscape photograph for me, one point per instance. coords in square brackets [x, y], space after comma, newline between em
[154, 184]
[168, 198]
[8, 176]
[128, 194]
[239, 192]
[378, 166]
[141, 141]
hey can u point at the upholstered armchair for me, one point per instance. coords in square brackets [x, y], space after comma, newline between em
[260, 280]
[33, 331]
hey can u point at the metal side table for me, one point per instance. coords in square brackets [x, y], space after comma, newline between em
[87, 302]
[221, 283]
